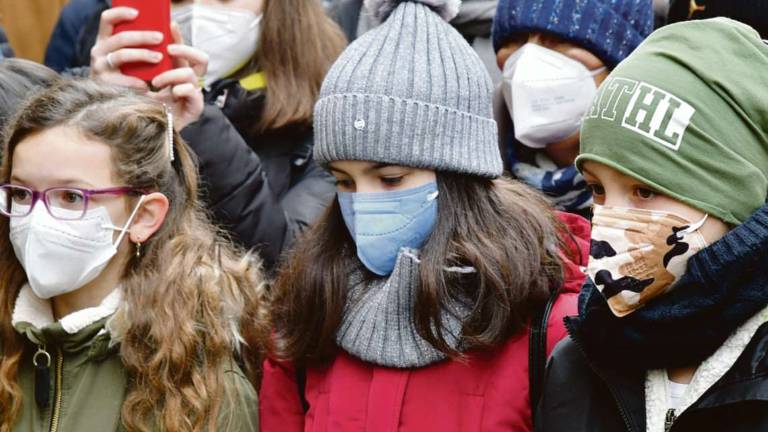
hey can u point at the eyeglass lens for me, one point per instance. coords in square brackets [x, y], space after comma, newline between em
[63, 203]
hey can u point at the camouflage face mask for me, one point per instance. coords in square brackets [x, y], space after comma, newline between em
[637, 255]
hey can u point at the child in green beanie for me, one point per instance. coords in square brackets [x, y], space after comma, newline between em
[671, 333]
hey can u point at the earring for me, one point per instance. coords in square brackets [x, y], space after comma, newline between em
[138, 249]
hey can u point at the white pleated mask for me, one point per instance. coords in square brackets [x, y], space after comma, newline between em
[547, 94]
[61, 256]
[229, 36]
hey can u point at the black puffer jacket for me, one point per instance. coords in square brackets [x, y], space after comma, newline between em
[580, 396]
[716, 317]
[264, 188]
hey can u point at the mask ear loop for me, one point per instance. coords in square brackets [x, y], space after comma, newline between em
[124, 229]
[453, 269]
[597, 71]
[692, 228]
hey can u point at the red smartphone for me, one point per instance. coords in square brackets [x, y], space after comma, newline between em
[154, 15]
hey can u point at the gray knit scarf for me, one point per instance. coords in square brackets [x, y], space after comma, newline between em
[378, 324]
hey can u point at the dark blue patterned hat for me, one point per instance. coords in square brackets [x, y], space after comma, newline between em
[611, 29]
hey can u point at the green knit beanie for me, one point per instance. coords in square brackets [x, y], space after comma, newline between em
[687, 114]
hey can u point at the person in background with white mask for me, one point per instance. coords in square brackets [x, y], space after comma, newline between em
[120, 307]
[266, 60]
[553, 56]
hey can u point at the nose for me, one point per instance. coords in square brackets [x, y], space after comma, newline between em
[617, 197]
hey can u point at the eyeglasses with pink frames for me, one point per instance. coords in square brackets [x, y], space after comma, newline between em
[63, 203]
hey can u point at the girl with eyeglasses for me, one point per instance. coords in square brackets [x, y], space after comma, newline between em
[120, 307]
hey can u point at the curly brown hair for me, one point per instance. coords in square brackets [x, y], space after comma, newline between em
[188, 300]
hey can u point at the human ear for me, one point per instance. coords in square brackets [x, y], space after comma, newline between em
[149, 218]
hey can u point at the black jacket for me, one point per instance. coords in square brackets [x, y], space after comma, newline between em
[264, 188]
[580, 395]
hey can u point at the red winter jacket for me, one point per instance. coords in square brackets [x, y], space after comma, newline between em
[489, 392]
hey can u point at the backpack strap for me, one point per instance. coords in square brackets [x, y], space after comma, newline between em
[537, 351]
[301, 386]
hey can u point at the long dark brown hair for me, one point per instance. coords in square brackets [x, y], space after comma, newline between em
[502, 228]
[298, 44]
[188, 300]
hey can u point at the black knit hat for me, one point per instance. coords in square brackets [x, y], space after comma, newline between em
[751, 12]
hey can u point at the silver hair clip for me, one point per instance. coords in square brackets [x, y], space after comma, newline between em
[169, 114]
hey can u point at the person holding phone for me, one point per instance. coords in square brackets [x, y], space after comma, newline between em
[120, 307]
[265, 62]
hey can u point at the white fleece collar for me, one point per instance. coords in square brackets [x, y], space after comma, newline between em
[38, 312]
[708, 373]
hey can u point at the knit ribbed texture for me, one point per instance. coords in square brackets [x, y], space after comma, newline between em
[411, 92]
[378, 324]
[610, 29]
[748, 241]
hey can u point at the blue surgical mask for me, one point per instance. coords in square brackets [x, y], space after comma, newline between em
[382, 223]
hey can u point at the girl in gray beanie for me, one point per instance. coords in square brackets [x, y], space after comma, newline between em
[408, 306]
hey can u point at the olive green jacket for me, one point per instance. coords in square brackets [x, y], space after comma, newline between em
[87, 383]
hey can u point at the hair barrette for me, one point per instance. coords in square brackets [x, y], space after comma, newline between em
[169, 114]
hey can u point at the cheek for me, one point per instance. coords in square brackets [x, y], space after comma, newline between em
[714, 229]
[671, 205]
[118, 210]
[589, 60]
[421, 177]
[599, 78]
[255, 6]
[504, 54]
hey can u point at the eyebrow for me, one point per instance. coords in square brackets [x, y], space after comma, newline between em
[377, 167]
[79, 183]
[368, 170]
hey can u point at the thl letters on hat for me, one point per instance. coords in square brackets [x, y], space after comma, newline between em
[647, 110]
[686, 115]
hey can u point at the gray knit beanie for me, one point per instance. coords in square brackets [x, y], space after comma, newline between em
[410, 92]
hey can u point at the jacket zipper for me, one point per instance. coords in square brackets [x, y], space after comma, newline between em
[56, 412]
[669, 420]
[611, 389]
[42, 363]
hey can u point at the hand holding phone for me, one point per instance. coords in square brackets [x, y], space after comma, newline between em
[154, 16]
[177, 86]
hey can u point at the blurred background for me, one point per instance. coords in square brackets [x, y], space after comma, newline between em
[28, 24]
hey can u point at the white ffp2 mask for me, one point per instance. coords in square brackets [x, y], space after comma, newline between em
[547, 94]
[229, 36]
[60, 256]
